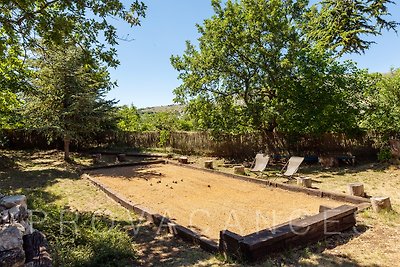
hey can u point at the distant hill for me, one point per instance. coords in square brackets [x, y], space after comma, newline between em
[157, 109]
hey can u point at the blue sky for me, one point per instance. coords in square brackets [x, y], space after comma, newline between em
[145, 76]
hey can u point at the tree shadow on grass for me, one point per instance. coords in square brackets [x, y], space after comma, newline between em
[145, 172]
[15, 180]
[158, 248]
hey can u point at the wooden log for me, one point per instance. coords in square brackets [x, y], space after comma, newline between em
[356, 189]
[121, 157]
[381, 203]
[183, 160]
[208, 164]
[304, 182]
[238, 170]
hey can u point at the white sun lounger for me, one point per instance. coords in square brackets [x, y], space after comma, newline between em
[292, 166]
[260, 163]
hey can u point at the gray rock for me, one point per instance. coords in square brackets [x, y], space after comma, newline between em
[12, 258]
[28, 229]
[17, 213]
[4, 217]
[14, 212]
[12, 201]
[10, 238]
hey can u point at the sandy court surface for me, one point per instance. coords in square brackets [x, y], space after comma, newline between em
[206, 202]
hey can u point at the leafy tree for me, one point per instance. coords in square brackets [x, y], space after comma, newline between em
[13, 79]
[344, 25]
[382, 106]
[257, 70]
[23, 22]
[128, 118]
[52, 22]
[69, 97]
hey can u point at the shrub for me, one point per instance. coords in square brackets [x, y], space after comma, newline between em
[384, 155]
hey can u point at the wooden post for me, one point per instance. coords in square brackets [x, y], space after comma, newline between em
[356, 189]
[67, 142]
[304, 182]
[183, 160]
[238, 170]
[121, 157]
[381, 203]
[208, 164]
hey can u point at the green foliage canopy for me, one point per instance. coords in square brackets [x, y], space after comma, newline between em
[344, 26]
[23, 22]
[68, 99]
[382, 105]
[27, 26]
[131, 119]
[257, 70]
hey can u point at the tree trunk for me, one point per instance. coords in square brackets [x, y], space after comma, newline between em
[66, 148]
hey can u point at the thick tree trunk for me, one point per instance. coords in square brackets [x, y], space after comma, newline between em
[66, 148]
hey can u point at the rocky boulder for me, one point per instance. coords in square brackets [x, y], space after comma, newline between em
[11, 201]
[20, 244]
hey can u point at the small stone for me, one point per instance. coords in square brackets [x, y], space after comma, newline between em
[14, 212]
[12, 201]
[28, 229]
[4, 217]
[10, 238]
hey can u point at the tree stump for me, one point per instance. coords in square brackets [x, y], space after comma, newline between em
[208, 164]
[96, 158]
[381, 203]
[183, 160]
[304, 182]
[238, 170]
[121, 157]
[356, 189]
